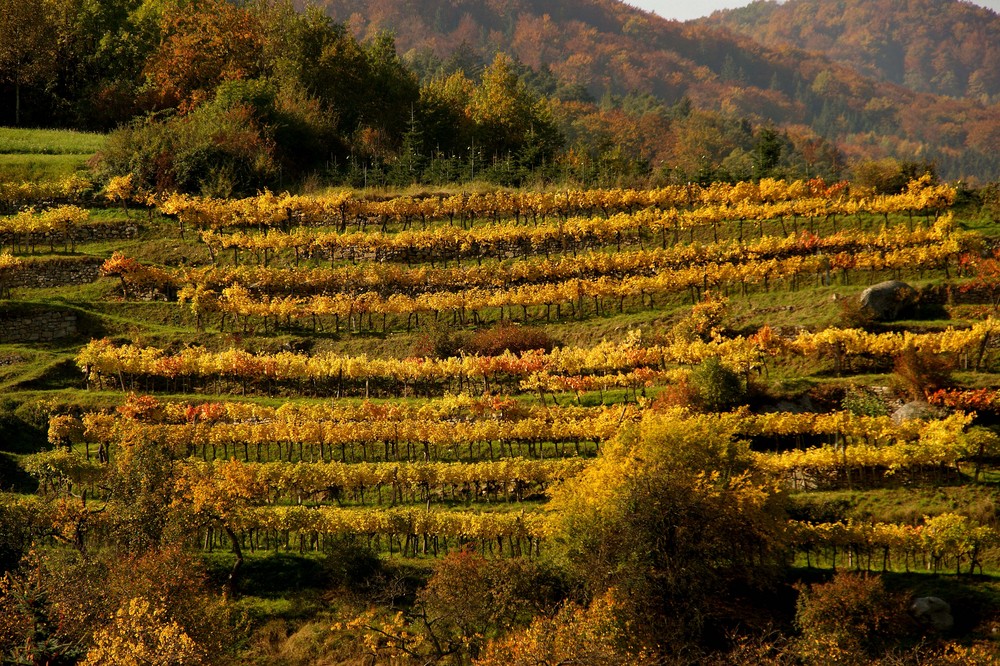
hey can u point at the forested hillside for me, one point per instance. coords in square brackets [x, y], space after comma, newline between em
[943, 47]
[608, 46]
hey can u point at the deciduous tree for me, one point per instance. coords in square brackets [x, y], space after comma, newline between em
[204, 43]
[670, 516]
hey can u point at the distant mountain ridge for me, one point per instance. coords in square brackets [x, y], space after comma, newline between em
[606, 45]
[603, 44]
[945, 47]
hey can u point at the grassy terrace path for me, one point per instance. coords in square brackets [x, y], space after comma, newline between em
[33, 154]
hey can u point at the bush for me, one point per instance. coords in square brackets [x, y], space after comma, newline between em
[889, 175]
[990, 197]
[862, 401]
[35, 414]
[24, 427]
[440, 341]
[17, 531]
[59, 601]
[657, 515]
[704, 320]
[718, 387]
[918, 373]
[595, 635]
[855, 316]
[679, 393]
[852, 619]
[210, 151]
[351, 564]
[470, 597]
[510, 337]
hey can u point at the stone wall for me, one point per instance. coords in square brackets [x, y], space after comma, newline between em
[37, 326]
[41, 273]
[82, 234]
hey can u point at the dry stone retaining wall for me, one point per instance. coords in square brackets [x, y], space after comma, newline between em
[56, 273]
[82, 234]
[38, 326]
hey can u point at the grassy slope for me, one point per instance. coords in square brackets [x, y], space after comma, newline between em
[34, 154]
[49, 142]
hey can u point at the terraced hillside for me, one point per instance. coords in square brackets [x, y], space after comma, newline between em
[270, 382]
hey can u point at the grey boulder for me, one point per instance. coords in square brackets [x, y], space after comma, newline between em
[917, 410]
[932, 612]
[885, 301]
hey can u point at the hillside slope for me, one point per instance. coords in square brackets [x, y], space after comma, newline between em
[609, 46]
[945, 47]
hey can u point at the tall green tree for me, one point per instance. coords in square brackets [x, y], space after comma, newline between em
[502, 107]
[204, 44]
[767, 149]
[443, 104]
[109, 44]
[393, 90]
[510, 120]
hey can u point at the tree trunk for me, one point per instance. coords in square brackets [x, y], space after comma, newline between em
[232, 583]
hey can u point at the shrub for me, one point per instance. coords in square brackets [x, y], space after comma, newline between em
[919, 373]
[704, 320]
[680, 393]
[470, 597]
[351, 564]
[595, 635]
[862, 401]
[657, 515]
[855, 316]
[440, 341]
[18, 528]
[35, 414]
[509, 337]
[719, 388]
[852, 619]
[59, 603]
[213, 151]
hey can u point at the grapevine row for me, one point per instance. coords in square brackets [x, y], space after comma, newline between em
[571, 235]
[394, 278]
[854, 440]
[946, 541]
[573, 295]
[281, 483]
[334, 374]
[15, 195]
[65, 225]
[340, 209]
[352, 440]
[452, 407]
[227, 521]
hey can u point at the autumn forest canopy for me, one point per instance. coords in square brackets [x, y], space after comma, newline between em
[218, 97]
